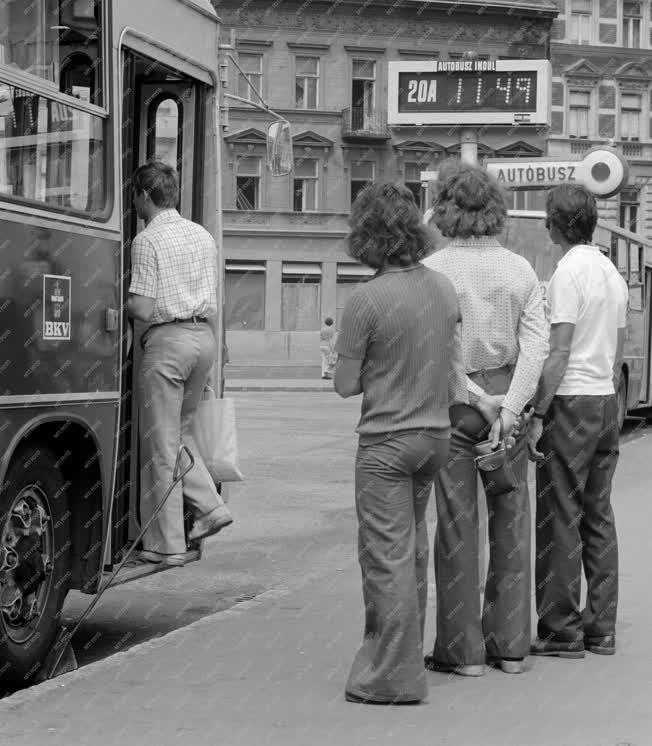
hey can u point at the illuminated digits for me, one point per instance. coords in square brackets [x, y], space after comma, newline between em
[459, 91]
[412, 90]
[506, 88]
[524, 87]
[478, 91]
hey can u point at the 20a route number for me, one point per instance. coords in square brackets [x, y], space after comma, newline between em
[422, 91]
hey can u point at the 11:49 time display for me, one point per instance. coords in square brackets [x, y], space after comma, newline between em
[468, 91]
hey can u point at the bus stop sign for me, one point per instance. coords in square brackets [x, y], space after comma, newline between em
[603, 171]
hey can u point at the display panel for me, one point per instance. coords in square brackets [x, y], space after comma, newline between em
[479, 92]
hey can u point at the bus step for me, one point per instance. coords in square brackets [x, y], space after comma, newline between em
[134, 572]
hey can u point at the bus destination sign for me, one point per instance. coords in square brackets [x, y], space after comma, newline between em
[479, 92]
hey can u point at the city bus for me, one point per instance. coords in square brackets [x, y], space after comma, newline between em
[89, 90]
[525, 233]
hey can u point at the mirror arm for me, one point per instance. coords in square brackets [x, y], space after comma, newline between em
[262, 107]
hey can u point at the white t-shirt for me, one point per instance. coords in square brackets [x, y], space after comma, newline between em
[588, 291]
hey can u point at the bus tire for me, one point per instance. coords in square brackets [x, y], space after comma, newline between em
[621, 400]
[35, 558]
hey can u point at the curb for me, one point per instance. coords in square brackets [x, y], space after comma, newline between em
[277, 388]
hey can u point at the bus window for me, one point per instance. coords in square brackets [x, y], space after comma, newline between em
[164, 145]
[55, 30]
[621, 257]
[635, 263]
[50, 152]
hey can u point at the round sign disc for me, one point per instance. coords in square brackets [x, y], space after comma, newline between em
[605, 172]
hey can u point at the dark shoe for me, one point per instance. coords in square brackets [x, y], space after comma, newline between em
[460, 669]
[601, 645]
[508, 665]
[363, 701]
[557, 649]
[210, 524]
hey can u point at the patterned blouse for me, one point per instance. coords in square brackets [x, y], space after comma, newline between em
[503, 316]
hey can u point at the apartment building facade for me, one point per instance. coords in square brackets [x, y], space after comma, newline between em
[602, 93]
[323, 66]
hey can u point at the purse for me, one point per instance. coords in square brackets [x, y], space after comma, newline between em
[214, 431]
[494, 463]
[497, 466]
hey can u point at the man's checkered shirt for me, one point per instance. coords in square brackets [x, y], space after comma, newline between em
[175, 261]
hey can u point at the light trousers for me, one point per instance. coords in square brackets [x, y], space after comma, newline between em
[176, 364]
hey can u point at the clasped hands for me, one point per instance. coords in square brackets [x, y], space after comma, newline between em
[507, 425]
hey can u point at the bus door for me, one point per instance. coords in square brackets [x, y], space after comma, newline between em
[646, 393]
[159, 117]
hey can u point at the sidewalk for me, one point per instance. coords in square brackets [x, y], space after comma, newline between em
[271, 672]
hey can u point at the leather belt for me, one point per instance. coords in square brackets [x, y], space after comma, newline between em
[191, 320]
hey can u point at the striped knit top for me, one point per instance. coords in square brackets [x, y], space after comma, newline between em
[403, 325]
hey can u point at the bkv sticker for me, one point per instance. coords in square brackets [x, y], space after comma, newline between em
[56, 307]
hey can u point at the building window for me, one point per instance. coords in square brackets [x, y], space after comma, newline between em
[306, 182]
[579, 31]
[363, 94]
[252, 66]
[248, 184]
[307, 82]
[300, 297]
[632, 24]
[579, 113]
[460, 55]
[362, 174]
[630, 116]
[349, 276]
[244, 296]
[413, 182]
[629, 207]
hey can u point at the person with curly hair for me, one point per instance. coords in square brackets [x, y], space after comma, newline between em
[505, 343]
[399, 346]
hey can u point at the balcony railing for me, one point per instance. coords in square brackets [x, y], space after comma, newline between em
[360, 124]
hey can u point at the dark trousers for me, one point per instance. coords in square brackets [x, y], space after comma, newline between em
[466, 633]
[393, 481]
[575, 524]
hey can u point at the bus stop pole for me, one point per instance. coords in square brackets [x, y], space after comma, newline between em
[469, 146]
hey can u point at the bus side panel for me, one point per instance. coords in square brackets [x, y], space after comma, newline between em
[55, 289]
[634, 353]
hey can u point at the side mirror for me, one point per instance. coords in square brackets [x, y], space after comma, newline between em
[279, 149]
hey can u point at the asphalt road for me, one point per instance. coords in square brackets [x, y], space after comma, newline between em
[294, 518]
[297, 502]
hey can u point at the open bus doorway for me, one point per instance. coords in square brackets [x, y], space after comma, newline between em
[160, 122]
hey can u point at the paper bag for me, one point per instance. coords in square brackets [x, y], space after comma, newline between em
[214, 430]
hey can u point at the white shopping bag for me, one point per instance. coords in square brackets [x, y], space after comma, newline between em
[214, 430]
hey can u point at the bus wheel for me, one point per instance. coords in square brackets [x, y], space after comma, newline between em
[34, 546]
[621, 401]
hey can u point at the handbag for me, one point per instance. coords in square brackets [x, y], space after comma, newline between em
[495, 463]
[214, 431]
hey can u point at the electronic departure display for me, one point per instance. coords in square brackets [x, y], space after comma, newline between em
[469, 92]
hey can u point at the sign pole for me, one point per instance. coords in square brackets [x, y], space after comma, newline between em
[469, 146]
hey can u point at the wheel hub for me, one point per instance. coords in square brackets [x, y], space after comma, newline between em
[26, 551]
